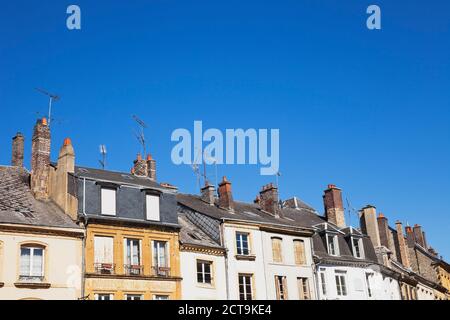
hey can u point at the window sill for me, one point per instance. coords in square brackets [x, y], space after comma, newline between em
[206, 286]
[249, 257]
[32, 285]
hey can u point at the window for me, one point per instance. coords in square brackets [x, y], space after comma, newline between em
[152, 207]
[323, 284]
[299, 252]
[31, 263]
[332, 245]
[303, 289]
[280, 283]
[104, 296]
[160, 258]
[357, 248]
[108, 201]
[245, 287]
[276, 250]
[242, 243]
[204, 272]
[133, 297]
[341, 286]
[160, 297]
[369, 289]
[103, 255]
[133, 256]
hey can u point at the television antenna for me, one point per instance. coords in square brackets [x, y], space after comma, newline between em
[277, 176]
[140, 136]
[52, 97]
[196, 168]
[214, 161]
[102, 148]
[350, 210]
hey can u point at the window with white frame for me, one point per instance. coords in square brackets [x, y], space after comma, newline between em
[103, 296]
[341, 283]
[204, 272]
[160, 258]
[104, 254]
[242, 243]
[161, 297]
[134, 297]
[332, 244]
[31, 263]
[357, 246]
[323, 283]
[152, 207]
[108, 201]
[133, 265]
[245, 287]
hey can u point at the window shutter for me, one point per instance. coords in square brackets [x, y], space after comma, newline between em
[276, 249]
[108, 201]
[299, 248]
[152, 207]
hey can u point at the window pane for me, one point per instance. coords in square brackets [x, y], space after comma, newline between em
[25, 261]
[37, 262]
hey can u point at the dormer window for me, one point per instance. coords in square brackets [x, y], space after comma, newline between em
[332, 245]
[357, 247]
[152, 207]
[108, 201]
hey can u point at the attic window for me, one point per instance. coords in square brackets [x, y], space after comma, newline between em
[193, 236]
[27, 215]
[357, 246]
[332, 244]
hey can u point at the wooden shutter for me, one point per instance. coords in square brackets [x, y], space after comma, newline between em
[276, 249]
[299, 249]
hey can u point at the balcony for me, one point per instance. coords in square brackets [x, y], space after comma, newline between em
[133, 269]
[104, 268]
[163, 272]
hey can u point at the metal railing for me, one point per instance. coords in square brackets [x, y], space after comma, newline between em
[31, 279]
[104, 268]
[133, 269]
[160, 271]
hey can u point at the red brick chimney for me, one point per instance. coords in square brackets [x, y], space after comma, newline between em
[418, 235]
[225, 195]
[40, 159]
[139, 166]
[334, 208]
[208, 193]
[268, 200]
[383, 228]
[402, 244]
[151, 168]
[17, 150]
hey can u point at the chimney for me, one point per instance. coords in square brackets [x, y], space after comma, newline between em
[410, 236]
[268, 200]
[402, 244]
[59, 190]
[383, 229]
[418, 235]
[139, 166]
[369, 224]
[40, 159]
[151, 168]
[17, 150]
[334, 209]
[208, 193]
[424, 240]
[225, 195]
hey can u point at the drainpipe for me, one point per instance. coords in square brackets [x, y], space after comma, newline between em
[227, 278]
[83, 249]
[264, 265]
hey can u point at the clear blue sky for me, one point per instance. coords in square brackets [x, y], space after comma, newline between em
[365, 110]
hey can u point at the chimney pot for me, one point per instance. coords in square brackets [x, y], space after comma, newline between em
[225, 195]
[67, 142]
[44, 121]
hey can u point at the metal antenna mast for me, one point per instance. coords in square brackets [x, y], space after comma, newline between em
[52, 97]
[350, 210]
[213, 160]
[278, 175]
[103, 153]
[140, 135]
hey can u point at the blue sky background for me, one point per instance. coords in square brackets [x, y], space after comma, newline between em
[365, 110]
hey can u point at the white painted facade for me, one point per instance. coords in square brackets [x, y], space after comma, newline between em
[424, 292]
[360, 284]
[191, 289]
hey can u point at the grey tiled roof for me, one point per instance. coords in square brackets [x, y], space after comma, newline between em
[18, 206]
[191, 234]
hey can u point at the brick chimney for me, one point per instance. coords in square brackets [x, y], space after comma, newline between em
[151, 168]
[418, 235]
[59, 188]
[40, 159]
[410, 238]
[268, 200]
[139, 166]
[17, 150]
[225, 195]
[208, 193]
[425, 240]
[334, 209]
[402, 244]
[383, 229]
[369, 224]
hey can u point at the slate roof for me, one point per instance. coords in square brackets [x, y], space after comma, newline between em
[116, 177]
[303, 216]
[251, 212]
[18, 206]
[193, 235]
